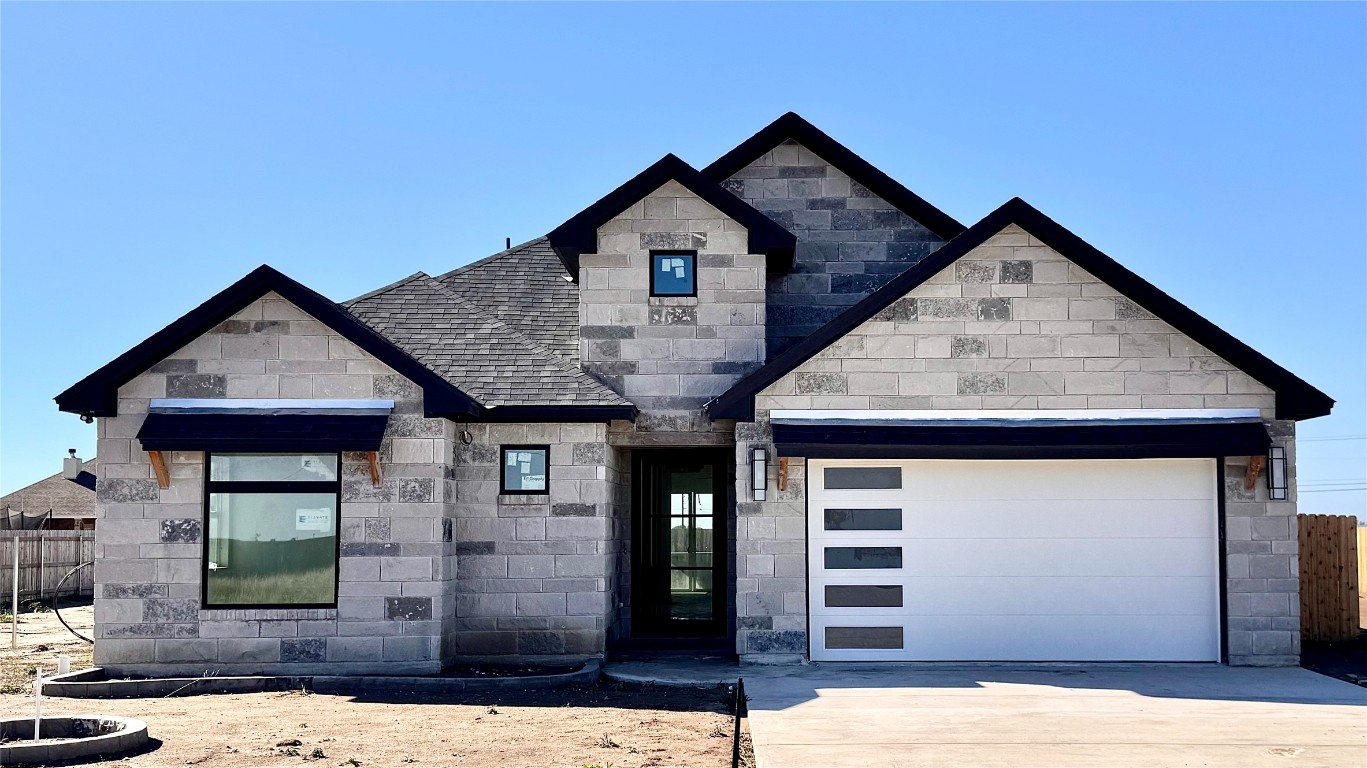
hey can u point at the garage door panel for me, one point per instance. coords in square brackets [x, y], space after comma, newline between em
[1068, 596]
[1099, 479]
[1016, 638]
[1018, 561]
[1058, 519]
[1058, 557]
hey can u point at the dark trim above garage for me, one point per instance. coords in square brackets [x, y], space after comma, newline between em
[579, 235]
[1296, 399]
[1020, 441]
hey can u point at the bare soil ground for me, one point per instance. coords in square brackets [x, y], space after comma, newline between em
[42, 638]
[603, 725]
[626, 727]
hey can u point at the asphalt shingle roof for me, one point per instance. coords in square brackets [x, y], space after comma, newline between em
[525, 287]
[488, 358]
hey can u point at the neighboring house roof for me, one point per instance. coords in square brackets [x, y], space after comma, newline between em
[1296, 399]
[501, 367]
[525, 287]
[580, 234]
[792, 126]
[55, 494]
[97, 394]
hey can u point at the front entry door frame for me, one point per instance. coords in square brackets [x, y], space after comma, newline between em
[651, 544]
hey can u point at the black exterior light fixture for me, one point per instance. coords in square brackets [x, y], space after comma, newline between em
[1276, 473]
[759, 472]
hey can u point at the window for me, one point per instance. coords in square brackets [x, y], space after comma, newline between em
[272, 530]
[526, 469]
[863, 478]
[672, 273]
[863, 519]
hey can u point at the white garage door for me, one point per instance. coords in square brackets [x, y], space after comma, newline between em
[1013, 560]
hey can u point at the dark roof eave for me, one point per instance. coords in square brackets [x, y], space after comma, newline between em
[579, 235]
[573, 414]
[1297, 400]
[97, 394]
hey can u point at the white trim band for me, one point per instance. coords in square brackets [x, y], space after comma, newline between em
[1097, 414]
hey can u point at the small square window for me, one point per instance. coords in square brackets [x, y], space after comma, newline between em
[526, 469]
[672, 273]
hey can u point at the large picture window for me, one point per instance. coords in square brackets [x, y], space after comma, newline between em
[272, 530]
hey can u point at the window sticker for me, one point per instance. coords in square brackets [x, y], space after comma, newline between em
[512, 459]
[312, 519]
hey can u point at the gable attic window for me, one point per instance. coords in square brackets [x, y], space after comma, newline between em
[272, 530]
[673, 273]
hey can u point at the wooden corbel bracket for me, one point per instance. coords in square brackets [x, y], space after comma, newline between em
[783, 473]
[1255, 470]
[159, 466]
[376, 478]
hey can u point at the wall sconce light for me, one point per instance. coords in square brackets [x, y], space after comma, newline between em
[1276, 473]
[759, 473]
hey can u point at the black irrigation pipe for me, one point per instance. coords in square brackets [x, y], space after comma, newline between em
[739, 710]
[57, 596]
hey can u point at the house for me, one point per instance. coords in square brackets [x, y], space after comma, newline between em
[55, 503]
[780, 407]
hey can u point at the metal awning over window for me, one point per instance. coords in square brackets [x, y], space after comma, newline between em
[265, 425]
[1116, 434]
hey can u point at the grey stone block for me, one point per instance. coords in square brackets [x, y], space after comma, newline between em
[170, 611]
[183, 530]
[242, 650]
[408, 608]
[196, 385]
[126, 491]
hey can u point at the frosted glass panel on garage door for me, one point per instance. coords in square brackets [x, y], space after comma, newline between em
[1015, 561]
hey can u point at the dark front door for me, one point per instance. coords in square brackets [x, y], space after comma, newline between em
[679, 544]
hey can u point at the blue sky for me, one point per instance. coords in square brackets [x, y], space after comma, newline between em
[152, 153]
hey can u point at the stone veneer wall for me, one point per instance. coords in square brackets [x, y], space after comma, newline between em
[669, 355]
[535, 572]
[850, 241]
[1015, 325]
[395, 555]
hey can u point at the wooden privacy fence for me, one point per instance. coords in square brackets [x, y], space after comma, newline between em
[44, 558]
[1329, 577]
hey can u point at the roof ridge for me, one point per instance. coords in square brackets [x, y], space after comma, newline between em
[487, 259]
[383, 289]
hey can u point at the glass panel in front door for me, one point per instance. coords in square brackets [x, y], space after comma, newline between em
[689, 499]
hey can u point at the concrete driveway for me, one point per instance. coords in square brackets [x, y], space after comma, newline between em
[1127, 716]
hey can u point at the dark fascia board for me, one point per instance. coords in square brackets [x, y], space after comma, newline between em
[581, 414]
[1067, 441]
[97, 394]
[793, 126]
[580, 234]
[1296, 399]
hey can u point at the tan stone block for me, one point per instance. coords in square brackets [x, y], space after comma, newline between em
[1091, 309]
[1093, 383]
[1148, 383]
[1090, 346]
[1032, 346]
[1039, 309]
[1197, 382]
[1034, 383]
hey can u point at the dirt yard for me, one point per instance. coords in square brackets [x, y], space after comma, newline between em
[42, 638]
[599, 726]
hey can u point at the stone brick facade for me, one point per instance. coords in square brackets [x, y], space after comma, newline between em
[533, 575]
[669, 355]
[850, 241]
[1014, 325]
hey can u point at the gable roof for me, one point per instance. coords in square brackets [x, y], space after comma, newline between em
[97, 394]
[793, 126]
[55, 494]
[580, 233]
[503, 369]
[524, 287]
[1296, 399]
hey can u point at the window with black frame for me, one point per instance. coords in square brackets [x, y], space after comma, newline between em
[271, 536]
